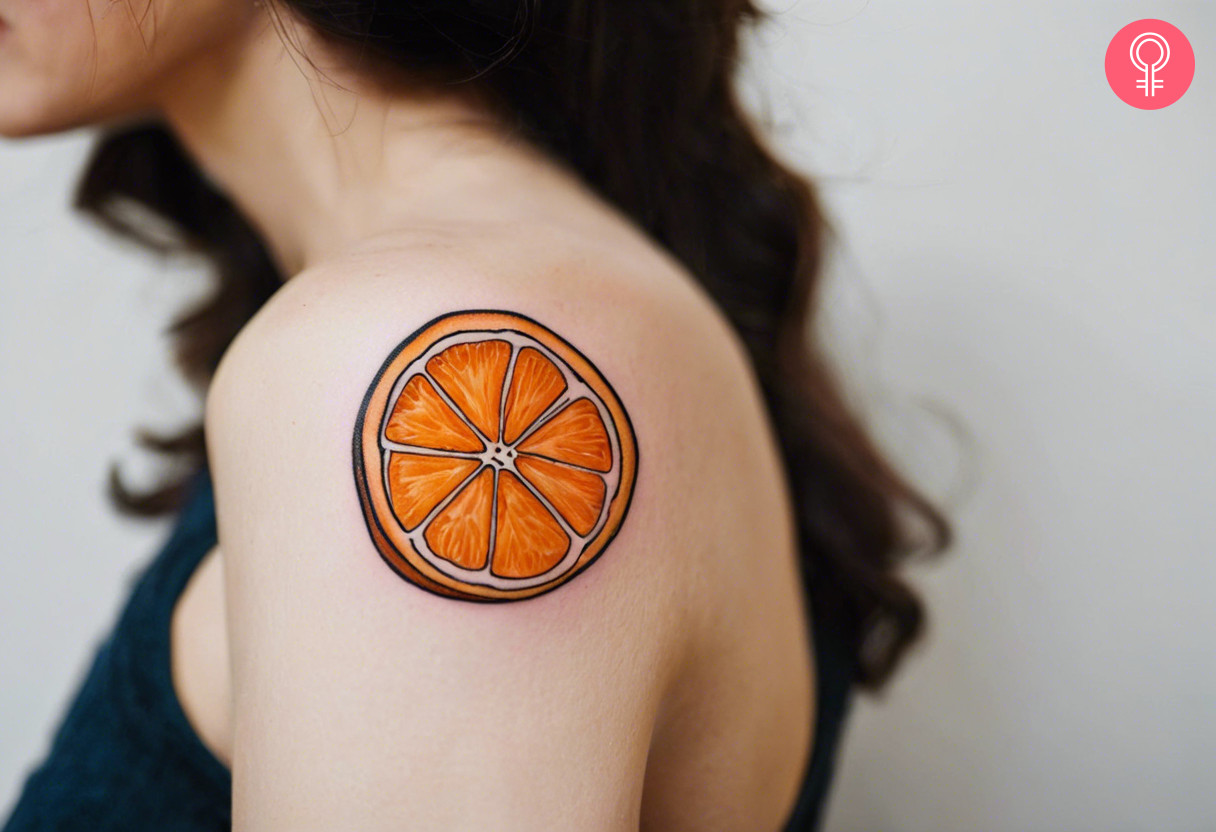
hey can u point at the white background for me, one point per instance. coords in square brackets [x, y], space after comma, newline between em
[1021, 251]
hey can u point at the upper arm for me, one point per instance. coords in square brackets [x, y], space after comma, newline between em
[374, 685]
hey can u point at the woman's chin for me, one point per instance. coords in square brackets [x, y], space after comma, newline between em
[26, 118]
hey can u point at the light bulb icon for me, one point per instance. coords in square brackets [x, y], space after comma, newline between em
[1150, 83]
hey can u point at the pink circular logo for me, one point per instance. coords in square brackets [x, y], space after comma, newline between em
[1150, 64]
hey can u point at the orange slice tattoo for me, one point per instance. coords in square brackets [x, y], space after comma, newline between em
[492, 460]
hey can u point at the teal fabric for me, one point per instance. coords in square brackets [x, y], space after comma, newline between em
[834, 691]
[125, 757]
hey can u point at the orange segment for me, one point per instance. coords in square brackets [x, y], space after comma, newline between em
[575, 435]
[472, 374]
[421, 417]
[578, 495]
[535, 384]
[529, 539]
[417, 483]
[461, 532]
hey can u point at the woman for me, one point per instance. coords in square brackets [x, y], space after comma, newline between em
[523, 504]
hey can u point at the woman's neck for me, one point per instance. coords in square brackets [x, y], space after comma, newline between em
[318, 158]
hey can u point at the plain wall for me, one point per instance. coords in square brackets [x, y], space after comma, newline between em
[1020, 250]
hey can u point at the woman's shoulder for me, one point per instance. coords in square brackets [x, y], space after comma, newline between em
[295, 379]
[633, 313]
[303, 367]
[364, 499]
[631, 292]
[421, 425]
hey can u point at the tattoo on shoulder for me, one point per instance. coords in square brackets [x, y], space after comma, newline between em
[494, 462]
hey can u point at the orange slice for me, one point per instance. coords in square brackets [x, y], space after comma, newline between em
[493, 461]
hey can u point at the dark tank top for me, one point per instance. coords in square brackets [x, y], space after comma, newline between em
[126, 758]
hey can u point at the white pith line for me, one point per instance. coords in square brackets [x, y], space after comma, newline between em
[564, 464]
[564, 398]
[507, 378]
[402, 448]
[419, 450]
[443, 394]
[557, 515]
[493, 522]
[442, 504]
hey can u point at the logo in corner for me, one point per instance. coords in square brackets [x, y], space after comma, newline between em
[1149, 64]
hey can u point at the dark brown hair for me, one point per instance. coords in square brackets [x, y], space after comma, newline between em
[638, 97]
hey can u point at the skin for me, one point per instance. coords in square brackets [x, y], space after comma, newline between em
[669, 687]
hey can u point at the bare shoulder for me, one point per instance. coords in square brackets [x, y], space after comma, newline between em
[463, 491]
[613, 301]
[491, 340]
